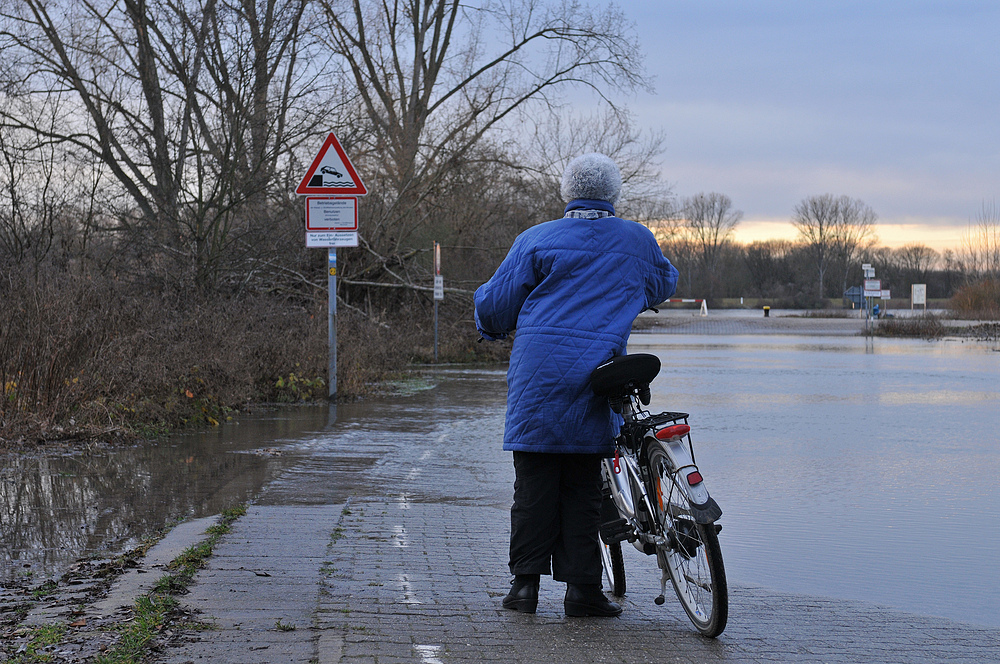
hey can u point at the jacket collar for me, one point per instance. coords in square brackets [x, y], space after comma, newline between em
[589, 204]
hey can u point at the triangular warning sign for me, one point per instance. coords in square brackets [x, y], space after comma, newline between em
[331, 173]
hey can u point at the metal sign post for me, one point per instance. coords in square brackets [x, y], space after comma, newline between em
[872, 289]
[331, 282]
[438, 294]
[331, 186]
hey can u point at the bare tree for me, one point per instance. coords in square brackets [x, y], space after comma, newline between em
[560, 136]
[915, 262]
[40, 188]
[855, 232]
[683, 253]
[25, 212]
[835, 229]
[981, 243]
[437, 78]
[710, 220]
[767, 266]
[192, 106]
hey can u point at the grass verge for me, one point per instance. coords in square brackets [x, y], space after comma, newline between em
[154, 611]
[42, 638]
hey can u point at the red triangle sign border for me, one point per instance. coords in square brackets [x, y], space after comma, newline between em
[331, 142]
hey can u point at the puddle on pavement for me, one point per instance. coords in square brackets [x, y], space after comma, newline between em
[99, 501]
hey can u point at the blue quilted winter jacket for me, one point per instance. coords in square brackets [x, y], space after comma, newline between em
[571, 288]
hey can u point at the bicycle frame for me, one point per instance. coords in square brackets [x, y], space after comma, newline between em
[624, 472]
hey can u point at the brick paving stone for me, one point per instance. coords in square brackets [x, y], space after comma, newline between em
[413, 569]
[244, 607]
[421, 601]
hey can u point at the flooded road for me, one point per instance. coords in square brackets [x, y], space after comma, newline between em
[858, 470]
[851, 469]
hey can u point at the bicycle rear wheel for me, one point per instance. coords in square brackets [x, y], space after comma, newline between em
[692, 556]
[614, 567]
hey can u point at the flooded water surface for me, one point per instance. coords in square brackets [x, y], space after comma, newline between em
[846, 468]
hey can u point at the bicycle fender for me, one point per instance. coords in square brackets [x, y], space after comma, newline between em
[704, 509]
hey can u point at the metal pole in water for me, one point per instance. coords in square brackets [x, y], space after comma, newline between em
[332, 336]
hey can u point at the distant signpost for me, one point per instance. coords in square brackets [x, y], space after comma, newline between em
[918, 295]
[438, 294]
[872, 288]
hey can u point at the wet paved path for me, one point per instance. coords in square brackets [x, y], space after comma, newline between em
[411, 567]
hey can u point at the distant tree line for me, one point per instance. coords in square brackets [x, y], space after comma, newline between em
[836, 235]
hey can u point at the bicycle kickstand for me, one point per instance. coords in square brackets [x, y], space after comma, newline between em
[664, 577]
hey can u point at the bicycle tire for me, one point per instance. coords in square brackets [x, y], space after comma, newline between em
[614, 567]
[692, 555]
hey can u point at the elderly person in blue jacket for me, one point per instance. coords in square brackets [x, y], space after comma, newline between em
[571, 288]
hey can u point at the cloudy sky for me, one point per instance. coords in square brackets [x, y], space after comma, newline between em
[895, 103]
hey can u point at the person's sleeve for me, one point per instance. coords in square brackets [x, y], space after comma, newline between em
[662, 280]
[499, 300]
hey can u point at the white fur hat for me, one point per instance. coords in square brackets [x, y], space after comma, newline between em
[594, 176]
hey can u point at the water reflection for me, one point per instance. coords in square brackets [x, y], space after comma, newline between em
[56, 509]
[59, 507]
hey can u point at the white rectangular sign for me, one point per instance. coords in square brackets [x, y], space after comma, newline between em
[918, 293]
[438, 287]
[331, 213]
[873, 284]
[886, 295]
[332, 239]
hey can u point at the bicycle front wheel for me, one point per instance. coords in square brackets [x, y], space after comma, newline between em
[692, 556]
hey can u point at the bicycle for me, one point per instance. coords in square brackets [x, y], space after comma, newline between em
[655, 497]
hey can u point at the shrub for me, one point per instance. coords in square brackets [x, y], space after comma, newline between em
[980, 299]
[925, 327]
[96, 358]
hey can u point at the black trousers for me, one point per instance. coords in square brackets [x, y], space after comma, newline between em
[556, 516]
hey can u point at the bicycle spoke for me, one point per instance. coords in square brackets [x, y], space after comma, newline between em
[701, 584]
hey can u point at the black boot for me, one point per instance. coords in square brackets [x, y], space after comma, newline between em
[523, 595]
[588, 600]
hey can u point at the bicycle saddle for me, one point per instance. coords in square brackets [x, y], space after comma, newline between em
[625, 374]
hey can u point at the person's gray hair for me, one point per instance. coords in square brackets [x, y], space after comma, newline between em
[592, 175]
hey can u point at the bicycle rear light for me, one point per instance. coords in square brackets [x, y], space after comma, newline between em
[673, 433]
[694, 477]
